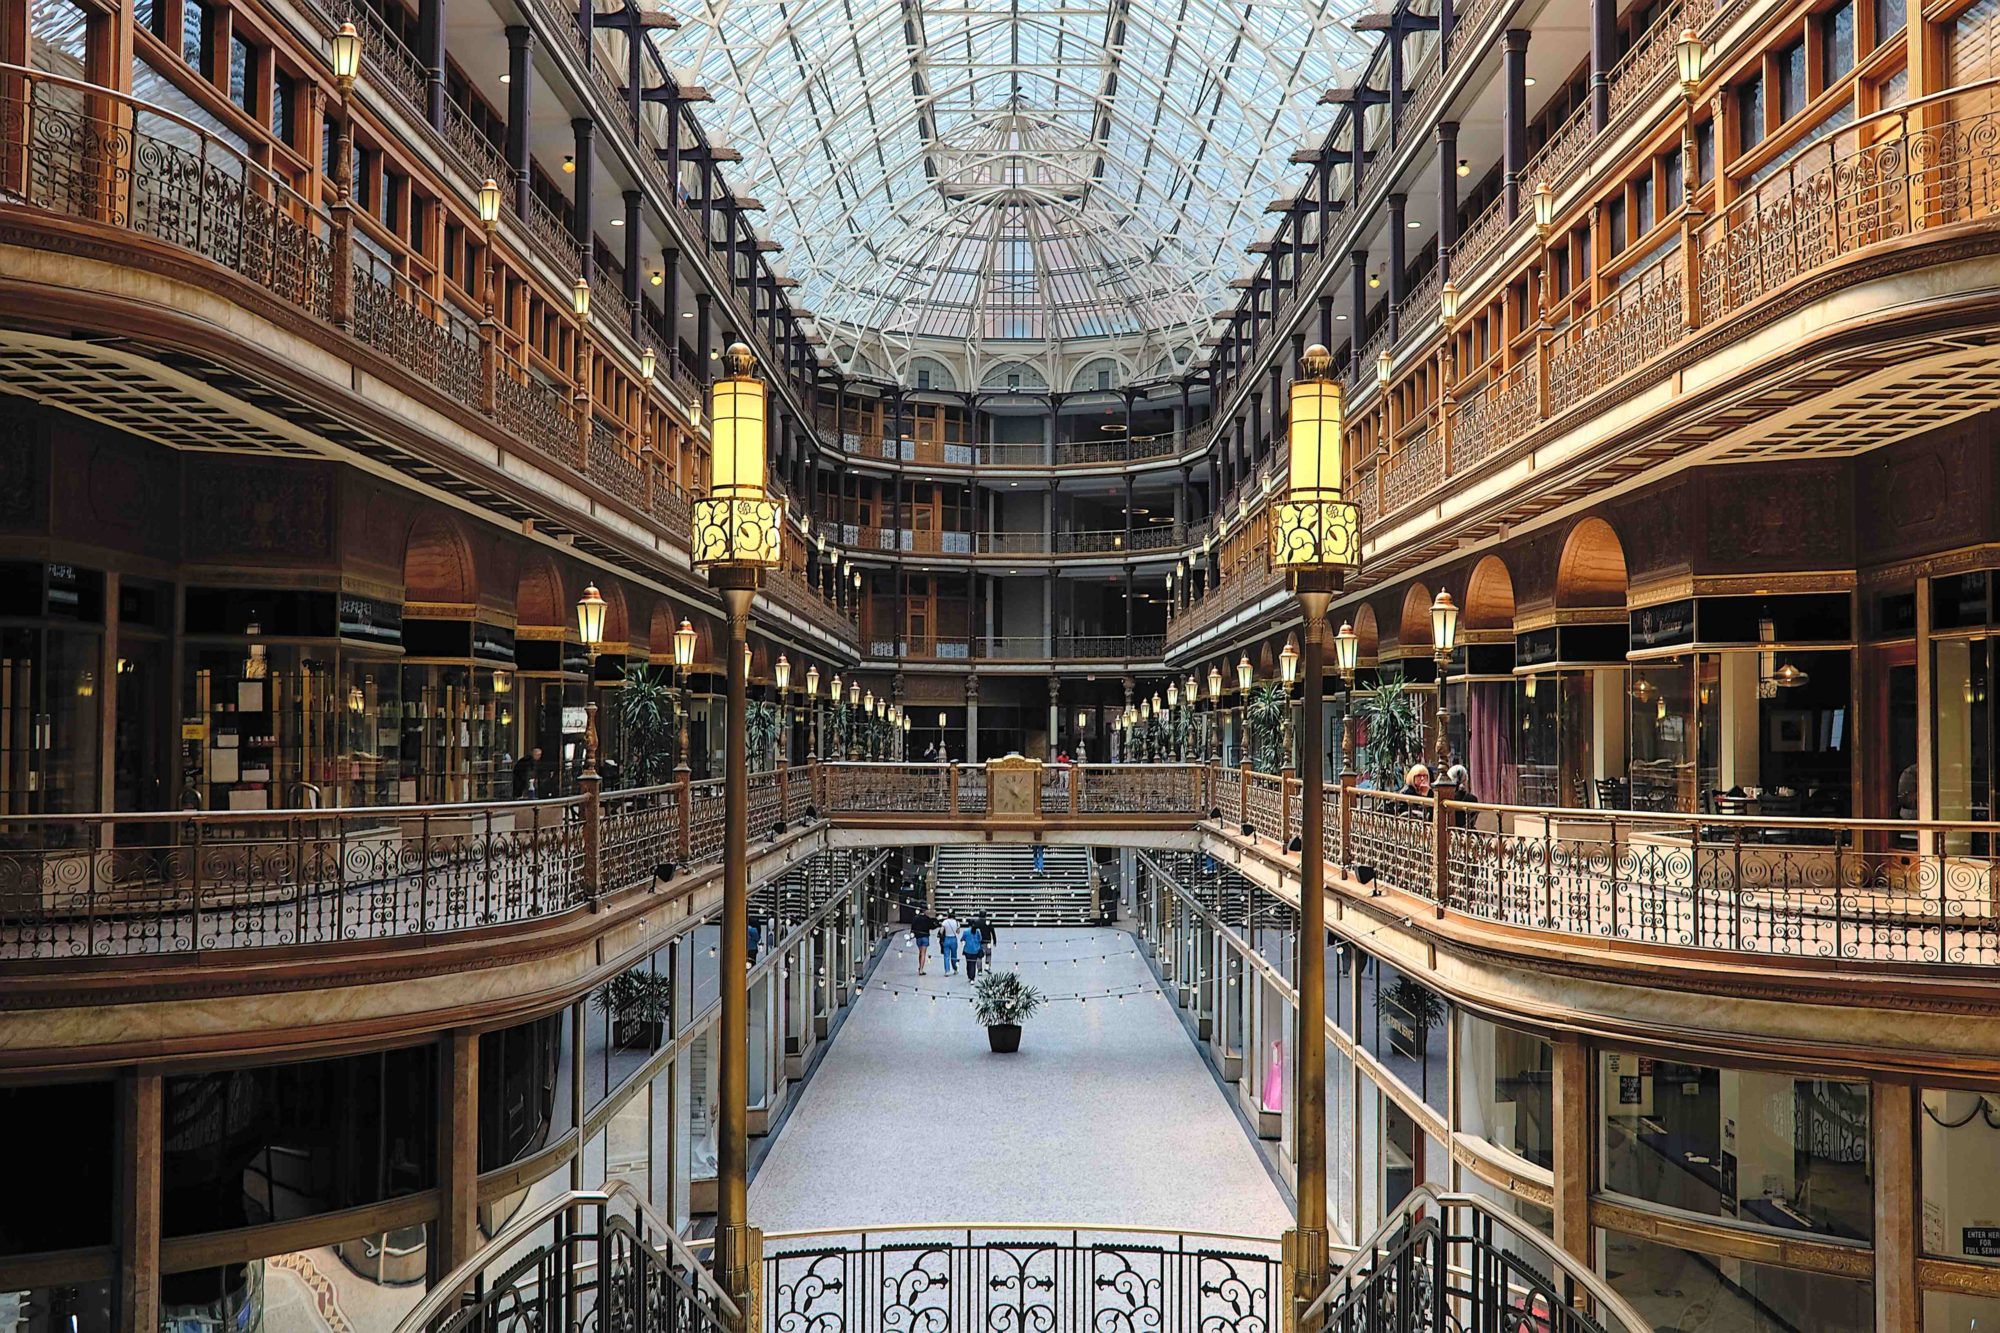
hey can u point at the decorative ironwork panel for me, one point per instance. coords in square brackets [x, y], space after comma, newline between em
[540, 417]
[476, 153]
[1647, 61]
[1395, 836]
[640, 835]
[441, 348]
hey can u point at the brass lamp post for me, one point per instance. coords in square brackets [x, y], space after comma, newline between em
[781, 676]
[683, 659]
[1346, 654]
[346, 69]
[1316, 539]
[1214, 710]
[812, 714]
[1245, 673]
[853, 723]
[590, 630]
[1444, 642]
[736, 538]
[1288, 672]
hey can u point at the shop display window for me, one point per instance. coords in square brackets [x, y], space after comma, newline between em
[1405, 1025]
[1959, 1140]
[1506, 1083]
[1564, 740]
[1755, 1147]
[1675, 1288]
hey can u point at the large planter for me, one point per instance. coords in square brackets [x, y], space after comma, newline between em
[1004, 1038]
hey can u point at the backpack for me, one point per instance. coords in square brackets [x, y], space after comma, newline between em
[975, 943]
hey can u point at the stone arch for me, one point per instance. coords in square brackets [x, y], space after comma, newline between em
[438, 566]
[617, 619]
[542, 599]
[1369, 638]
[1591, 569]
[1414, 630]
[1489, 597]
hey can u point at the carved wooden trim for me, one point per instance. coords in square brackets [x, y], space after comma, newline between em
[1850, 1261]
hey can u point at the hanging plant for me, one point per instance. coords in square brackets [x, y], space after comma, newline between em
[760, 723]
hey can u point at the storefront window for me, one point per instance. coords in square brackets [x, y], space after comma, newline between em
[1952, 1312]
[1340, 1142]
[1404, 1025]
[1506, 1088]
[269, 725]
[1963, 711]
[1960, 1142]
[1673, 1288]
[453, 744]
[1563, 738]
[1664, 737]
[1764, 1148]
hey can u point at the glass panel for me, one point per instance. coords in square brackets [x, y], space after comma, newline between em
[271, 1144]
[628, 1153]
[1674, 1288]
[1764, 1148]
[1404, 1026]
[84, 1308]
[1960, 1142]
[57, 37]
[1663, 751]
[1949, 1312]
[369, 1282]
[1506, 1088]
[524, 1089]
[70, 1173]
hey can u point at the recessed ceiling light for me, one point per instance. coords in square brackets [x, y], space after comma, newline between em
[1529, 80]
[687, 314]
[506, 78]
[618, 222]
[1341, 318]
[1416, 225]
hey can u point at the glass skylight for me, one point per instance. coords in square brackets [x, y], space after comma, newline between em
[993, 171]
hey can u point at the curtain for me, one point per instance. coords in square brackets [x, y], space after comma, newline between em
[1489, 729]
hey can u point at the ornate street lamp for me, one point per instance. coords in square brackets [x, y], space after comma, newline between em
[1692, 54]
[736, 538]
[590, 631]
[684, 638]
[649, 362]
[579, 299]
[346, 56]
[1444, 642]
[812, 714]
[1245, 674]
[1385, 368]
[1214, 711]
[1316, 540]
[346, 69]
[781, 676]
[489, 218]
[1545, 208]
[1288, 672]
[1346, 654]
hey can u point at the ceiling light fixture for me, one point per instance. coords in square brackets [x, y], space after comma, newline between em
[1464, 167]
[569, 164]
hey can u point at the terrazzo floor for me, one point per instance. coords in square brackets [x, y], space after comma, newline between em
[1106, 1115]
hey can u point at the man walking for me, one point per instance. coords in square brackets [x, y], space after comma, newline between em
[989, 938]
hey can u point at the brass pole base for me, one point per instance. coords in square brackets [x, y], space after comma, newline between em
[1303, 1261]
[740, 1252]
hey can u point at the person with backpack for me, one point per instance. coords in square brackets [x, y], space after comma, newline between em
[948, 943]
[973, 945]
[921, 926]
[989, 938]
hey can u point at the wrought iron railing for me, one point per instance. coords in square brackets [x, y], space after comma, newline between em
[199, 881]
[980, 1279]
[587, 1261]
[1455, 1262]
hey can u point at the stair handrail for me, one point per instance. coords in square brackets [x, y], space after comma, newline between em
[445, 1297]
[1608, 1312]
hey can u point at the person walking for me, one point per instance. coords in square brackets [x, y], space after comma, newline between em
[988, 936]
[948, 943]
[973, 945]
[921, 926]
[528, 775]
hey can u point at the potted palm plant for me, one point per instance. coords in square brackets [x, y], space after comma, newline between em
[1001, 1001]
[640, 1004]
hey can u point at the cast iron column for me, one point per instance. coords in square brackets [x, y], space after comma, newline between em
[1315, 593]
[733, 1137]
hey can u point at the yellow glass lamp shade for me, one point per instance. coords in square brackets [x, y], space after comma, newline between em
[1215, 682]
[346, 55]
[590, 617]
[781, 671]
[684, 645]
[1245, 673]
[812, 682]
[489, 202]
[1444, 624]
[1313, 528]
[738, 524]
[1346, 650]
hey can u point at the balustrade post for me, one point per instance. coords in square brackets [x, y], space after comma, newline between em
[1243, 794]
[593, 866]
[784, 787]
[1347, 781]
[1075, 787]
[1441, 846]
[951, 787]
[687, 819]
[1287, 779]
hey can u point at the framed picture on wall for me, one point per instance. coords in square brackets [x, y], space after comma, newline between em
[1791, 730]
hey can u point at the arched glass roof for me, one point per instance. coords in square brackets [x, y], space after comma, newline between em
[1000, 170]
